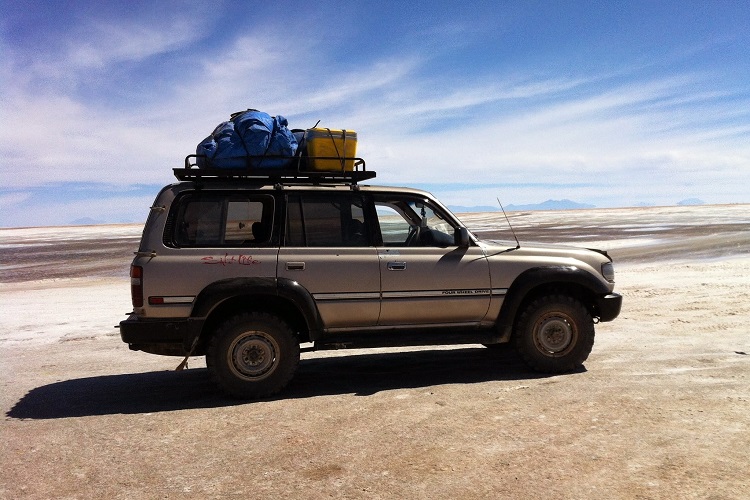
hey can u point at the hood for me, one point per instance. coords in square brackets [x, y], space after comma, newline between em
[590, 255]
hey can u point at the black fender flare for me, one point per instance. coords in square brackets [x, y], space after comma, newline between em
[540, 276]
[303, 300]
[219, 292]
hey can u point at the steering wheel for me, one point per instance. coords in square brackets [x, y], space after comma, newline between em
[412, 240]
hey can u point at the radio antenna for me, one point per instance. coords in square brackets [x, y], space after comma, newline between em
[518, 244]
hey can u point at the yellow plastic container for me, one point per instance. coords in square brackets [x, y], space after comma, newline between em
[340, 145]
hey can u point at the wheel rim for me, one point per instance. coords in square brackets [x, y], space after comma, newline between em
[253, 355]
[555, 334]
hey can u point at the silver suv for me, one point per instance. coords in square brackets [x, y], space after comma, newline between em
[246, 268]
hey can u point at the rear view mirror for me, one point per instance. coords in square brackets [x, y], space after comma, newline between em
[461, 237]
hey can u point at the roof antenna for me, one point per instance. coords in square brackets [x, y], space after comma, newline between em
[518, 244]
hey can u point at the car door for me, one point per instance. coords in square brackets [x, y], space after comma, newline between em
[427, 279]
[328, 249]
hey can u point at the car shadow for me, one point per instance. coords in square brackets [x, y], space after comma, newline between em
[360, 374]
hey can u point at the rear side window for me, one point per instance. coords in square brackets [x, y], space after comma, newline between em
[220, 220]
[326, 221]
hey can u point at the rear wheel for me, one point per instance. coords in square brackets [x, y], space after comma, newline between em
[252, 355]
[554, 334]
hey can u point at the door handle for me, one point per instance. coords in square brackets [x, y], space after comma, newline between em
[295, 266]
[397, 266]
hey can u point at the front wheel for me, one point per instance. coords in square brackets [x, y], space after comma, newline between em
[554, 334]
[252, 355]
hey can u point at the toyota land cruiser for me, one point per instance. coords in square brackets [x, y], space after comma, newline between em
[244, 268]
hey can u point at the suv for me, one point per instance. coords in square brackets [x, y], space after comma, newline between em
[244, 268]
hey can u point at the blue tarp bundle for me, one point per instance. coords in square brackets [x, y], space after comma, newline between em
[250, 139]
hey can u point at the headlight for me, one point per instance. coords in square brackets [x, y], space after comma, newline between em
[608, 271]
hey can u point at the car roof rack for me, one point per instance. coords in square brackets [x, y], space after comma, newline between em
[298, 175]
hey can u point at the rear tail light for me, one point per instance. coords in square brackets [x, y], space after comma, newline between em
[136, 285]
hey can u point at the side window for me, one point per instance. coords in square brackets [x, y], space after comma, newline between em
[245, 223]
[216, 220]
[325, 221]
[199, 223]
[394, 227]
[406, 221]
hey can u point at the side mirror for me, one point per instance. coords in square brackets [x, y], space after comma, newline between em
[461, 237]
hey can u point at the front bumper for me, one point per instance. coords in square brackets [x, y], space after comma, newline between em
[608, 307]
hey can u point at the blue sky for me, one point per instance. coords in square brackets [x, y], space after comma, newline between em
[607, 103]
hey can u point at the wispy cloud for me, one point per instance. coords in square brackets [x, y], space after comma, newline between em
[109, 42]
[95, 46]
[123, 98]
[12, 199]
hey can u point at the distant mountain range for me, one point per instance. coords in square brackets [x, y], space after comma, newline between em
[547, 205]
[86, 221]
[691, 201]
[556, 205]
[683, 203]
[550, 205]
[478, 208]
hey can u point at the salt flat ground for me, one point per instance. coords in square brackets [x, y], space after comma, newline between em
[661, 410]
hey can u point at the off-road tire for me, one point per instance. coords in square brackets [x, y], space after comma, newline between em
[554, 334]
[252, 355]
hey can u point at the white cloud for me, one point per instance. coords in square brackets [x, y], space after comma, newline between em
[613, 136]
[51, 212]
[637, 136]
[12, 199]
[111, 42]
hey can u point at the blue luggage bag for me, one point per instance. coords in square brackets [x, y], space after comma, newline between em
[250, 139]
